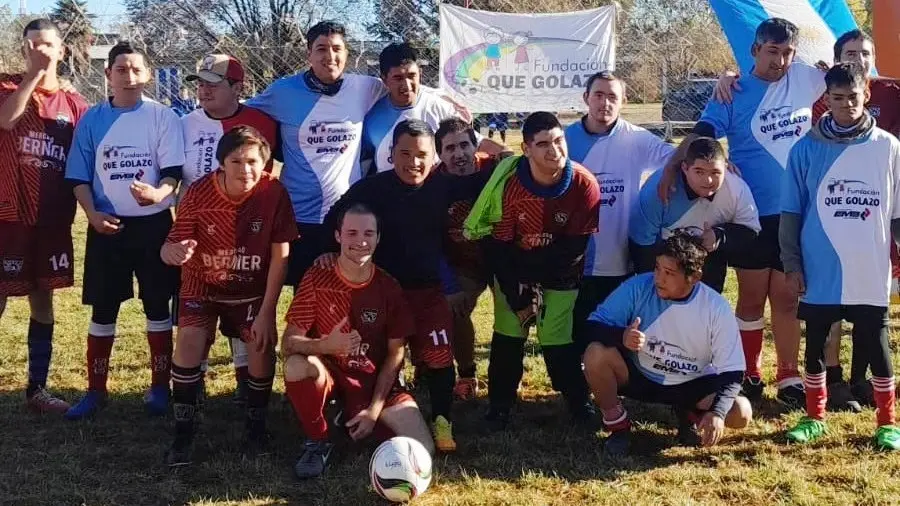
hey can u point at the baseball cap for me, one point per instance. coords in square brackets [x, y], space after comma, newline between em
[216, 67]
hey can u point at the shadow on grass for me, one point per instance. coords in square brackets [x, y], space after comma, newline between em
[117, 457]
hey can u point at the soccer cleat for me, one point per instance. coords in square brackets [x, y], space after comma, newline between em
[466, 389]
[442, 430]
[88, 406]
[156, 400]
[256, 444]
[496, 419]
[617, 444]
[584, 414]
[792, 396]
[863, 393]
[806, 431]
[887, 437]
[752, 388]
[42, 401]
[840, 398]
[313, 460]
[179, 455]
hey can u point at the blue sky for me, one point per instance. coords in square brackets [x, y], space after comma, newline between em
[107, 11]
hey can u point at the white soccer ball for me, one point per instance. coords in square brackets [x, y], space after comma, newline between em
[400, 469]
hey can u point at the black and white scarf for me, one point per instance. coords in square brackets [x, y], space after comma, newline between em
[316, 84]
[830, 130]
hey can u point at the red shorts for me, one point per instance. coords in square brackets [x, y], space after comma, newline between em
[195, 312]
[35, 257]
[432, 344]
[355, 398]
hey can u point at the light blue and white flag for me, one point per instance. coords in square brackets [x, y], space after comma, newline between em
[821, 22]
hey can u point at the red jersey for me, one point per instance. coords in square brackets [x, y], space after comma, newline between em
[33, 156]
[234, 239]
[376, 309]
[202, 134]
[462, 253]
[883, 105]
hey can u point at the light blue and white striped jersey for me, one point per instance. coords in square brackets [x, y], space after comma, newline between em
[378, 129]
[618, 160]
[321, 138]
[847, 196]
[763, 123]
[685, 340]
[114, 146]
[652, 221]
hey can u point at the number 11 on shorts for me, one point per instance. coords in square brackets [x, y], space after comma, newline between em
[439, 336]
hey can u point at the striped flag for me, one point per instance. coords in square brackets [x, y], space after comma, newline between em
[821, 22]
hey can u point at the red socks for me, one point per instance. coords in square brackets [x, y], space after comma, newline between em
[159, 337]
[752, 341]
[816, 395]
[308, 400]
[884, 400]
[100, 343]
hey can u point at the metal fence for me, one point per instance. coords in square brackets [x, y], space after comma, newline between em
[667, 49]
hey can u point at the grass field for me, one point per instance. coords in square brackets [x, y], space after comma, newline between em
[118, 457]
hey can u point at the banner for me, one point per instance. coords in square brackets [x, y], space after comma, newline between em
[498, 62]
[886, 29]
[821, 22]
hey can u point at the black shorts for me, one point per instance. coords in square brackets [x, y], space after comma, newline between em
[715, 269]
[592, 292]
[827, 314]
[304, 250]
[764, 252]
[112, 261]
[685, 395]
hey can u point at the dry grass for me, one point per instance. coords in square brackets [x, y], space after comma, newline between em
[117, 458]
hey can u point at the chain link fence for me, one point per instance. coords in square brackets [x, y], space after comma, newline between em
[668, 51]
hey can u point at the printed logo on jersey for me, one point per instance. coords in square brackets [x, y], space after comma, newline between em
[368, 315]
[782, 122]
[358, 360]
[205, 162]
[256, 225]
[874, 110]
[125, 162]
[852, 198]
[329, 137]
[670, 358]
[41, 151]
[13, 266]
[611, 188]
[62, 120]
[211, 229]
[560, 218]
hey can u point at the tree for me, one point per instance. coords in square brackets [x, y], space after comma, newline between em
[76, 25]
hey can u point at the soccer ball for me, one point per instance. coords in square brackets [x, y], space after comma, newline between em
[400, 469]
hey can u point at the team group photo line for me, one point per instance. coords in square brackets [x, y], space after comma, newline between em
[389, 215]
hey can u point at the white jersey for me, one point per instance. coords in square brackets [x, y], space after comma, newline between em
[321, 137]
[847, 195]
[378, 129]
[618, 160]
[652, 221]
[685, 339]
[115, 146]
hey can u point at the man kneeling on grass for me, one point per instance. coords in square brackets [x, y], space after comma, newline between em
[667, 338]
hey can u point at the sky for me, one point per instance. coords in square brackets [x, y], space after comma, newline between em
[108, 11]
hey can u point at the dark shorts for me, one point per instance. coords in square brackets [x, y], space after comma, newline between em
[312, 241]
[687, 395]
[592, 292]
[432, 344]
[764, 252]
[35, 258]
[826, 314]
[237, 318]
[112, 261]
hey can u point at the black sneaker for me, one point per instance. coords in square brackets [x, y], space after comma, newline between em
[687, 430]
[863, 393]
[752, 388]
[840, 398]
[617, 444]
[496, 419]
[313, 460]
[179, 455]
[792, 396]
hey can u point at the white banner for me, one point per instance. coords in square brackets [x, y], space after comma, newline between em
[498, 62]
